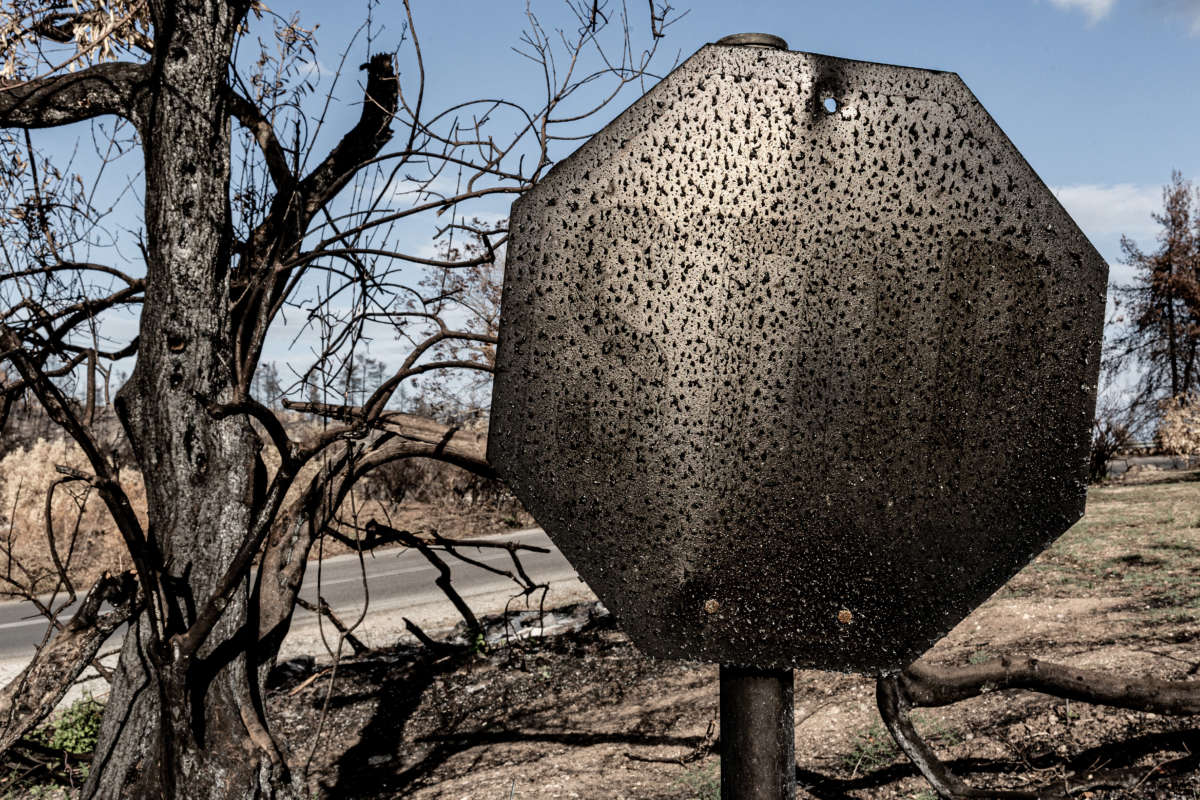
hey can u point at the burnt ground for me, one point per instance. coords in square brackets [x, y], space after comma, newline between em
[586, 715]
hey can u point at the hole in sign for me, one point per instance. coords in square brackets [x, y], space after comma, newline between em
[830, 104]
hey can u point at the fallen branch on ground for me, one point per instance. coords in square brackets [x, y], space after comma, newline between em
[32, 695]
[930, 686]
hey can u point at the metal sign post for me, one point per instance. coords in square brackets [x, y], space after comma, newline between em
[797, 365]
[758, 759]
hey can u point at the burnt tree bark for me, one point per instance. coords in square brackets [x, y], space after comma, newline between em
[184, 719]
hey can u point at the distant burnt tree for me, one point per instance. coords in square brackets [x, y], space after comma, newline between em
[1157, 324]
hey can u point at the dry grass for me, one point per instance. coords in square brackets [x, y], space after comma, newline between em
[83, 531]
[1140, 539]
[418, 495]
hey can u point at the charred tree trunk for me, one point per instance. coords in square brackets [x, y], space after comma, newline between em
[184, 719]
[1172, 344]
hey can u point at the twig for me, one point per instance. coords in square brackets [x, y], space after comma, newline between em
[893, 708]
[443, 579]
[308, 681]
[323, 609]
[426, 639]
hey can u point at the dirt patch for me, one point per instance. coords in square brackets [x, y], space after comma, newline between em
[586, 715]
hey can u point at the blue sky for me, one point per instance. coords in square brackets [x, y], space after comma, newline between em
[1099, 95]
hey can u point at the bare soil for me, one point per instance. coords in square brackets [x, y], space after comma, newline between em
[585, 715]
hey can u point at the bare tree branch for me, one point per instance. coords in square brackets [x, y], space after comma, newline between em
[893, 709]
[109, 488]
[416, 436]
[928, 685]
[252, 119]
[443, 580]
[324, 610]
[361, 143]
[283, 444]
[62, 99]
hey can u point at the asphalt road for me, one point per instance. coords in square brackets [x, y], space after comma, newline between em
[399, 583]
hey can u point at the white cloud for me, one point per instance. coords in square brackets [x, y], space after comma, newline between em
[314, 69]
[1106, 212]
[1095, 10]
[1187, 10]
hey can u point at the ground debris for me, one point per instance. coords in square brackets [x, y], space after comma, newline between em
[560, 715]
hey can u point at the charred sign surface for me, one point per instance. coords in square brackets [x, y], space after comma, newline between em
[797, 361]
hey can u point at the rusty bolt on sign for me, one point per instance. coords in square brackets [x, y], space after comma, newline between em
[803, 340]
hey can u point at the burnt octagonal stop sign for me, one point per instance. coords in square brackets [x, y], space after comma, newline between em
[797, 361]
